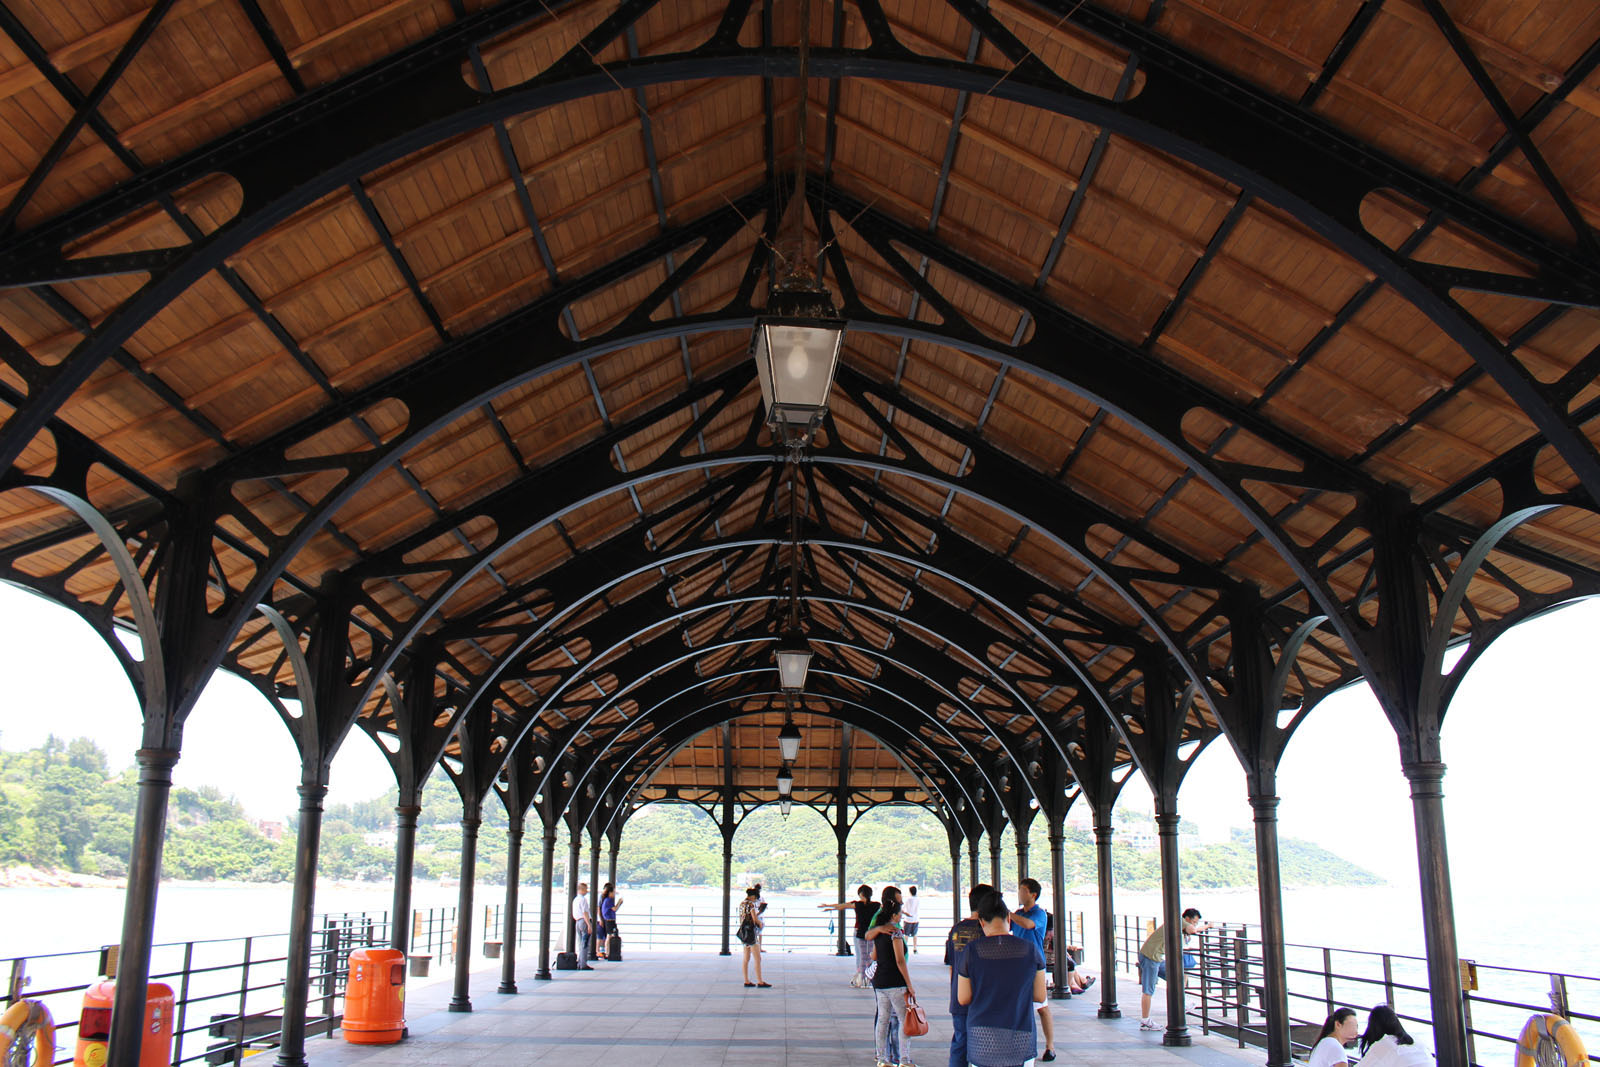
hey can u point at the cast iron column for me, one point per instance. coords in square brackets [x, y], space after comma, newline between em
[297, 965]
[727, 890]
[574, 856]
[508, 925]
[1269, 888]
[972, 856]
[405, 854]
[611, 862]
[1022, 857]
[594, 895]
[955, 883]
[1177, 1032]
[1058, 898]
[546, 900]
[1108, 919]
[459, 999]
[846, 918]
[994, 859]
[139, 903]
[1438, 913]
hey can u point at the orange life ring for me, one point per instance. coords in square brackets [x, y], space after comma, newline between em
[1550, 1041]
[30, 1021]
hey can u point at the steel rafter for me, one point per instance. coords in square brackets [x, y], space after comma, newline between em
[1186, 107]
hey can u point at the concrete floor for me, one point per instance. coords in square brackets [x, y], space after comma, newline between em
[691, 1010]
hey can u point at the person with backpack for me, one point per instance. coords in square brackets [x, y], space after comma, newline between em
[749, 935]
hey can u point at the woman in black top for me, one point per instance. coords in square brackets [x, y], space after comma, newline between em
[892, 985]
[864, 908]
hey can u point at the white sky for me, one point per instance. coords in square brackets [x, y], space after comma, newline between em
[1519, 741]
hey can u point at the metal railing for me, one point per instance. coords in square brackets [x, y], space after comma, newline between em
[1227, 990]
[228, 990]
[433, 933]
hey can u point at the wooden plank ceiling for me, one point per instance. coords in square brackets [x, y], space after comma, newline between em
[930, 597]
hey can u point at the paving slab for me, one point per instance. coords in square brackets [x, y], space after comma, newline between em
[666, 1009]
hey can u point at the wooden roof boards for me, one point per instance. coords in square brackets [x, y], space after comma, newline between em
[1170, 327]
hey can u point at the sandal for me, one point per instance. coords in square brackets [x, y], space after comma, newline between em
[749, 985]
[764, 985]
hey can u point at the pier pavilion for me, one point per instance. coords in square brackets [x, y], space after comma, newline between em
[426, 362]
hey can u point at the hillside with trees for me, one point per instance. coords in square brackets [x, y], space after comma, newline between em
[63, 809]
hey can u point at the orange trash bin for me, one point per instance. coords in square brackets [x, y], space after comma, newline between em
[375, 997]
[94, 1025]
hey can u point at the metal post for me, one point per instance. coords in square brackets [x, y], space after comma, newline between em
[1177, 1032]
[612, 841]
[405, 851]
[297, 967]
[1108, 919]
[1058, 900]
[508, 928]
[1438, 913]
[546, 900]
[574, 853]
[994, 859]
[727, 890]
[139, 903]
[955, 883]
[972, 857]
[845, 917]
[1022, 854]
[594, 897]
[1269, 889]
[459, 999]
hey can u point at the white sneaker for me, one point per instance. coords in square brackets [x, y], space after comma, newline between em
[1149, 1024]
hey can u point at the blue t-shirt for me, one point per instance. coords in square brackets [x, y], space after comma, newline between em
[1000, 1017]
[961, 935]
[1041, 924]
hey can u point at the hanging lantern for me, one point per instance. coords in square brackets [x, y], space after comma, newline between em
[785, 780]
[796, 348]
[789, 738]
[794, 660]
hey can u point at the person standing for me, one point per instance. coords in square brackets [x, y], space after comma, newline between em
[911, 907]
[960, 936]
[1000, 979]
[1153, 961]
[751, 911]
[608, 918]
[864, 909]
[584, 922]
[891, 983]
[1031, 922]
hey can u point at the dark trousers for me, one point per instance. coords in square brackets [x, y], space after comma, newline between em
[958, 1040]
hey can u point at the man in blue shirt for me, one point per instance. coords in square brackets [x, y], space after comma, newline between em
[1030, 922]
[961, 935]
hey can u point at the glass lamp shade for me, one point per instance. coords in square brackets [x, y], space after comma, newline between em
[795, 360]
[785, 782]
[789, 741]
[794, 659]
[783, 805]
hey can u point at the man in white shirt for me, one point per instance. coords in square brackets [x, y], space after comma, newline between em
[584, 923]
[909, 911]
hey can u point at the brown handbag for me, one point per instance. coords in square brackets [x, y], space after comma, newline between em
[916, 1023]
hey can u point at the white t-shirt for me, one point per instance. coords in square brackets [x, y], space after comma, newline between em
[580, 908]
[1328, 1053]
[909, 908]
[1387, 1052]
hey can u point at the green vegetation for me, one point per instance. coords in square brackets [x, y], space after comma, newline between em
[62, 808]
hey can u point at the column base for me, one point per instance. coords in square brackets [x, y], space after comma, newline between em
[541, 976]
[725, 952]
[292, 1061]
[1060, 994]
[507, 987]
[1108, 1013]
[1177, 1038]
[844, 953]
[459, 1005]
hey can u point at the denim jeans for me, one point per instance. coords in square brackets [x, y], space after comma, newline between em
[892, 1002]
[863, 954]
[958, 1039]
[583, 946]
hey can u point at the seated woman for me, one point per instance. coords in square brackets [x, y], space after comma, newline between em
[1385, 1042]
[1341, 1028]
